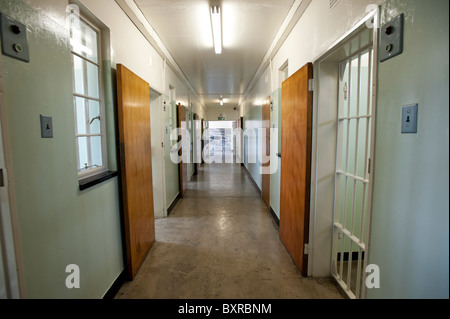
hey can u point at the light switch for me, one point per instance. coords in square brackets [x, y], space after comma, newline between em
[409, 119]
[46, 127]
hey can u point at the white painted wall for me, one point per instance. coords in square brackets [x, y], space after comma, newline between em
[410, 218]
[130, 48]
[229, 113]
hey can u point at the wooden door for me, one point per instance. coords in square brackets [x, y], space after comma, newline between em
[183, 169]
[202, 142]
[265, 184]
[133, 102]
[296, 137]
[197, 131]
[240, 147]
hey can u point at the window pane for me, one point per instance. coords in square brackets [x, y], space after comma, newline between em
[89, 152]
[82, 153]
[86, 81]
[80, 113]
[87, 116]
[94, 117]
[83, 40]
[96, 151]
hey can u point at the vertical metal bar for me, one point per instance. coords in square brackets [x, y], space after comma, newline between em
[88, 130]
[352, 220]
[358, 274]
[373, 65]
[349, 266]
[366, 171]
[344, 211]
[368, 118]
[334, 262]
[356, 144]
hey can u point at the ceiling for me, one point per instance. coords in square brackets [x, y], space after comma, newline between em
[248, 29]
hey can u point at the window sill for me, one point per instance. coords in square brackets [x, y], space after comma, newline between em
[96, 179]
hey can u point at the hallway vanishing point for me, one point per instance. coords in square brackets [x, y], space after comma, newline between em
[221, 242]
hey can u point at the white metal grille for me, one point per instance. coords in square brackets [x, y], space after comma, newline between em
[352, 183]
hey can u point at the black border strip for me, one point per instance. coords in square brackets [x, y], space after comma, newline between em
[97, 179]
[274, 216]
[114, 289]
[253, 181]
[174, 203]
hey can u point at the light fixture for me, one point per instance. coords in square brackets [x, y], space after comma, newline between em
[221, 101]
[216, 28]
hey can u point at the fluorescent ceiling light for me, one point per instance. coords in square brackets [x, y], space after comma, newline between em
[221, 101]
[217, 29]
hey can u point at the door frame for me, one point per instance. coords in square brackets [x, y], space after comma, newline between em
[265, 178]
[14, 275]
[160, 102]
[322, 216]
[182, 167]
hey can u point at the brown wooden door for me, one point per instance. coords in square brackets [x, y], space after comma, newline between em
[183, 169]
[265, 183]
[296, 135]
[203, 141]
[196, 128]
[133, 102]
[240, 154]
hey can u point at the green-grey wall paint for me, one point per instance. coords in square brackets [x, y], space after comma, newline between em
[410, 218]
[171, 169]
[58, 224]
[275, 179]
[252, 143]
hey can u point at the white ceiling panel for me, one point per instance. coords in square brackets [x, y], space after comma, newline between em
[248, 29]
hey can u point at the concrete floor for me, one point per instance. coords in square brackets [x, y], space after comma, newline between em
[220, 242]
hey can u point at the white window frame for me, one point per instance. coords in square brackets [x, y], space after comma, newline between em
[93, 170]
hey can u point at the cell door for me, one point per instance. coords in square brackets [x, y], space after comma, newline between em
[265, 178]
[296, 165]
[133, 109]
[352, 175]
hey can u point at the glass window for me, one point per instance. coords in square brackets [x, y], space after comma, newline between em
[87, 99]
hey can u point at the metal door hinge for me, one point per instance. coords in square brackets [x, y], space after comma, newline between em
[311, 85]
[122, 154]
[2, 179]
[306, 249]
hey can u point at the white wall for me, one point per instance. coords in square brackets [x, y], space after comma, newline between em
[145, 61]
[410, 218]
[230, 114]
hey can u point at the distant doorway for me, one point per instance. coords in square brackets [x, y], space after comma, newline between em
[221, 141]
